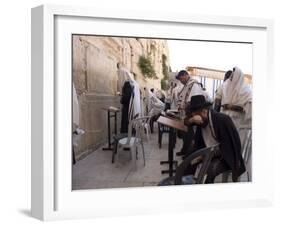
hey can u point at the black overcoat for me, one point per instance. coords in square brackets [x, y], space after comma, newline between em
[125, 101]
[230, 145]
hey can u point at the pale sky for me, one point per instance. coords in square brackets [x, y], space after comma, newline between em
[215, 55]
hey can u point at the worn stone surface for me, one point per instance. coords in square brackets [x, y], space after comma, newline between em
[96, 170]
[94, 69]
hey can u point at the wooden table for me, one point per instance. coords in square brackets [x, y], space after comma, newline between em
[111, 113]
[174, 125]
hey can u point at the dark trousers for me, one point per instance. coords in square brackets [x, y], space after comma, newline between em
[167, 106]
[187, 138]
[124, 119]
[152, 120]
[217, 166]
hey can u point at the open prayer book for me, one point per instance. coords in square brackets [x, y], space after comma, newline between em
[173, 114]
[111, 108]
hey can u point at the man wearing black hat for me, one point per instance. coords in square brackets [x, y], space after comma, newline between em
[191, 87]
[213, 128]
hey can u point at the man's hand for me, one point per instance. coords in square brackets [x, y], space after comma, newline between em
[196, 119]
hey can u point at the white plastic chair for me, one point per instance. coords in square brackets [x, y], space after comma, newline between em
[247, 151]
[146, 127]
[132, 142]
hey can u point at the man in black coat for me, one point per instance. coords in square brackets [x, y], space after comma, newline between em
[127, 92]
[212, 128]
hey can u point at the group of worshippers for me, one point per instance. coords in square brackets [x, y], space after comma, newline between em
[209, 123]
[129, 90]
[134, 101]
[219, 123]
[134, 104]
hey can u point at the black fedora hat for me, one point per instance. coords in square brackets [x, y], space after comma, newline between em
[197, 102]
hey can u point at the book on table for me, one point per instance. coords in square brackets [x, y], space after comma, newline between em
[173, 123]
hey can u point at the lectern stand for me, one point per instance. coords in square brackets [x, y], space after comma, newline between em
[174, 125]
[111, 113]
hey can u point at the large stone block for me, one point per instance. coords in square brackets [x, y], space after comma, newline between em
[101, 72]
[94, 121]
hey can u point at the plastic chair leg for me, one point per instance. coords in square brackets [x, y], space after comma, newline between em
[147, 132]
[143, 155]
[134, 158]
[117, 154]
[114, 151]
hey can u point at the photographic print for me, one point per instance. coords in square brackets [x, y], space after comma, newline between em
[133, 107]
[159, 112]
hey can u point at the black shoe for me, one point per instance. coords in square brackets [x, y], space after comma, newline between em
[126, 149]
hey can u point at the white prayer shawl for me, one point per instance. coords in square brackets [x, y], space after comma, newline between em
[123, 76]
[148, 96]
[75, 107]
[192, 88]
[156, 105]
[137, 99]
[160, 94]
[219, 92]
[153, 104]
[79, 132]
[236, 92]
[168, 98]
[143, 112]
[136, 96]
[175, 97]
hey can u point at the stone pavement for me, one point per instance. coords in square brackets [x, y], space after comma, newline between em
[96, 170]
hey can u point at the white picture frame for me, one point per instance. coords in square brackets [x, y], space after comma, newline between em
[52, 197]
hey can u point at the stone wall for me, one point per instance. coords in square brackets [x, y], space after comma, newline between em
[95, 61]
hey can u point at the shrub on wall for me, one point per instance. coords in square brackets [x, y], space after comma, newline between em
[165, 71]
[164, 84]
[165, 68]
[146, 67]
